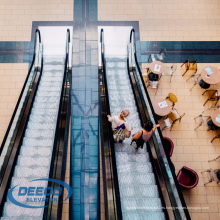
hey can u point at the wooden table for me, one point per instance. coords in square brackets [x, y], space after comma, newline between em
[214, 115]
[213, 78]
[160, 65]
[162, 111]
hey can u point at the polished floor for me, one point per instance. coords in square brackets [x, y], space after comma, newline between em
[166, 20]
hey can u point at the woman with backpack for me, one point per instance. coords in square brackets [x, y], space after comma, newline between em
[143, 135]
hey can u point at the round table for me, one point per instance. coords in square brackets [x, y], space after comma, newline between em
[213, 117]
[162, 111]
[160, 65]
[213, 78]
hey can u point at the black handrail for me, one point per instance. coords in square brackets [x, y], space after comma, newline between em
[143, 115]
[161, 136]
[20, 96]
[107, 145]
[58, 161]
[8, 166]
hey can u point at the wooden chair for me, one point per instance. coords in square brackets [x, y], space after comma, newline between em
[190, 65]
[172, 118]
[172, 97]
[217, 134]
[213, 96]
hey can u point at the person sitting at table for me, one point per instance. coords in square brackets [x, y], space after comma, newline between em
[121, 128]
[143, 135]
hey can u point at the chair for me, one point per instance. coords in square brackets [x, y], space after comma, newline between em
[217, 134]
[190, 65]
[187, 178]
[212, 174]
[169, 71]
[153, 80]
[172, 118]
[213, 96]
[168, 145]
[172, 97]
[202, 119]
[196, 79]
[158, 57]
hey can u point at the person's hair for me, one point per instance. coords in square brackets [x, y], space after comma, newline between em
[148, 125]
[124, 113]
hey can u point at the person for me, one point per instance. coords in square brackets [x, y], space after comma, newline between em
[121, 128]
[143, 135]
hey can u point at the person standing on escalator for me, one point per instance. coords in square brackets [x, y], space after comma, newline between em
[143, 135]
[121, 128]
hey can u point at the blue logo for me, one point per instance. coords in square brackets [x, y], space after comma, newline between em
[32, 194]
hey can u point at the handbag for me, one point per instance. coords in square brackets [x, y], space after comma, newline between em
[136, 143]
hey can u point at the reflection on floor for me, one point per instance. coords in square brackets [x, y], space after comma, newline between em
[192, 148]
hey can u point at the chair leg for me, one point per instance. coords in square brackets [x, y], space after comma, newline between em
[185, 72]
[171, 77]
[217, 136]
[192, 86]
[206, 101]
[198, 126]
[198, 116]
[215, 159]
[208, 182]
[206, 171]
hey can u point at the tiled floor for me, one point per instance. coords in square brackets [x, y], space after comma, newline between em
[192, 148]
[12, 77]
[16, 16]
[166, 20]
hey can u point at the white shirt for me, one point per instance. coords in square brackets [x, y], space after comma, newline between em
[117, 122]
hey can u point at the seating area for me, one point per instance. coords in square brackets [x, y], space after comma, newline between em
[195, 140]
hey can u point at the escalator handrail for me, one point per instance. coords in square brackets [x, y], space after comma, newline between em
[110, 140]
[10, 163]
[160, 133]
[54, 211]
[37, 32]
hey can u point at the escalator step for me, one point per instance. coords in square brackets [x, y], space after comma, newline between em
[36, 151]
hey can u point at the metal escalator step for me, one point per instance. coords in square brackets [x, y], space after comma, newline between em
[48, 78]
[27, 161]
[44, 126]
[42, 118]
[45, 105]
[21, 218]
[132, 167]
[39, 133]
[48, 93]
[28, 182]
[12, 210]
[53, 68]
[142, 215]
[37, 142]
[140, 191]
[45, 112]
[27, 172]
[44, 89]
[50, 84]
[36, 151]
[129, 178]
[141, 204]
[127, 157]
[47, 99]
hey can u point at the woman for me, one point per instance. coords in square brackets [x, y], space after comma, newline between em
[121, 129]
[143, 135]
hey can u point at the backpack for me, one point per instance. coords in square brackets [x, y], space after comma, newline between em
[136, 143]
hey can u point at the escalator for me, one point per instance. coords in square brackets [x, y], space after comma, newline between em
[138, 184]
[35, 143]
